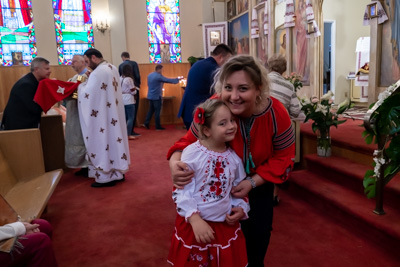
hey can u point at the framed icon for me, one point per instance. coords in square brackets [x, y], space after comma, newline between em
[372, 10]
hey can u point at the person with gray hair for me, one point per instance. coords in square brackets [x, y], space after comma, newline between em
[75, 150]
[282, 89]
[21, 111]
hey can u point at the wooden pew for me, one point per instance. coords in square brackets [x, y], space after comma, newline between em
[24, 183]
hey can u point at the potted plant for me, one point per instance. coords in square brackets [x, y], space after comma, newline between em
[324, 116]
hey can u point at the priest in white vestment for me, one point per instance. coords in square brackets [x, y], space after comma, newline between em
[102, 117]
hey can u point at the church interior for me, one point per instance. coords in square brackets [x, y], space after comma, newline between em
[325, 217]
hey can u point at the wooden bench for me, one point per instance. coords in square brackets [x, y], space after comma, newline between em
[24, 183]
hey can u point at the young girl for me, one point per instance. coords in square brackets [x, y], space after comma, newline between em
[128, 97]
[207, 231]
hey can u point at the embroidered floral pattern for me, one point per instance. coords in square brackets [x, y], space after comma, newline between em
[216, 181]
[202, 260]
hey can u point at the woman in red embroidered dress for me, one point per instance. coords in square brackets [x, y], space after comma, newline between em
[264, 142]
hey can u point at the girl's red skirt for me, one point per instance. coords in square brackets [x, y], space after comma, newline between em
[228, 249]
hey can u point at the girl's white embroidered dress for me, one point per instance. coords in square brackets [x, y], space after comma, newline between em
[209, 194]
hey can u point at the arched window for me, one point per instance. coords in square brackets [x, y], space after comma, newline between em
[74, 29]
[17, 33]
[164, 31]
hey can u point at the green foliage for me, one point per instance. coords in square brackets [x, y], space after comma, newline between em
[295, 79]
[369, 184]
[387, 126]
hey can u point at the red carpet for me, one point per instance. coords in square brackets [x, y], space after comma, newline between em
[131, 224]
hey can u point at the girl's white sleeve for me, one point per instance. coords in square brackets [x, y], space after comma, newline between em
[240, 175]
[12, 230]
[186, 205]
[131, 85]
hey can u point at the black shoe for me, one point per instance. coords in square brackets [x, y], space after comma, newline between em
[135, 134]
[96, 184]
[82, 172]
[160, 129]
[122, 180]
[146, 126]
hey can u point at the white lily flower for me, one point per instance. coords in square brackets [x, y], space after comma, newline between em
[327, 96]
[305, 100]
[321, 108]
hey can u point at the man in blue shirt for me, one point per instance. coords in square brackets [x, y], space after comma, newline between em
[155, 83]
[200, 80]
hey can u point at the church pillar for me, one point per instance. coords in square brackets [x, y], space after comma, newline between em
[117, 30]
[271, 28]
[100, 11]
[374, 60]
[317, 55]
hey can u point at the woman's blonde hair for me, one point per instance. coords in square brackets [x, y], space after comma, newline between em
[209, 106]
[253, 68]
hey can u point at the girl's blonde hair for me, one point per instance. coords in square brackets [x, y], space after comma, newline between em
[253, 67]
[209, 106]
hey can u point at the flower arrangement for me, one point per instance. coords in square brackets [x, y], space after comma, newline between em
[295, 79]
[324, 116]
[386, 131]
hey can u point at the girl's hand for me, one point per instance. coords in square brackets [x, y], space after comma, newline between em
[31, 228]
[242, 189]
[236, 214]
[180, 172]
[202, 231]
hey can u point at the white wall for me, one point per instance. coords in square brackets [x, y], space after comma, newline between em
[349, 18]
[45, 31]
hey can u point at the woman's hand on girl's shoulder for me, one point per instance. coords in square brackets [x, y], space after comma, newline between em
[180, 172]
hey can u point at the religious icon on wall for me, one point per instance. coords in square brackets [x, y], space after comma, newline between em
[262, 40]
[242, 6]
[231, 8]
[390, 43]
[300, 43]
[239, 34]
[280, 43]
[214, 33]
[372, 11]
[215, 38]
[17, 58]
[165, 54]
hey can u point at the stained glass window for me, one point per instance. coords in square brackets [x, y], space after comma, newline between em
[17, 33]
[164, 32]
[74, 28]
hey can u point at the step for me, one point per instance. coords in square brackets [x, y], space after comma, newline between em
[347, 141]
[350, 174]
[347, 207]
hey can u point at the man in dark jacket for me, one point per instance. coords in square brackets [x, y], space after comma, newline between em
[200, 80]
[21, 111]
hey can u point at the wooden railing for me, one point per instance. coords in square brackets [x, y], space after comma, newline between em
[382, 124]
[10, 75]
